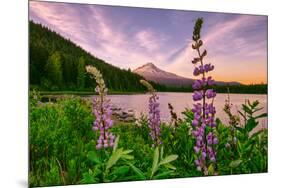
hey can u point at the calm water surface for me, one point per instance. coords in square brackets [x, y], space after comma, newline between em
[180, 101]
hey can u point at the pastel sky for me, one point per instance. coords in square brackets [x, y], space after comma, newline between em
[130, 37]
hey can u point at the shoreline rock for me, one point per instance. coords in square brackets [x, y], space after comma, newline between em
[124, 115]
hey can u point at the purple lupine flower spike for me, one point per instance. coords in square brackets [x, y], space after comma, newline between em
[154, 121]
[204, 112]
[102, 111]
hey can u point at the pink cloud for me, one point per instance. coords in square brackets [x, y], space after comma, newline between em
[110, 44]
[215, 40]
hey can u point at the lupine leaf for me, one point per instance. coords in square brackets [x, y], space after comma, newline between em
[247, 109]
[155, 161]
[114, 158]
[170, 166]
[236, 163]
[251, 124]
[139, 173]
[168, 159]
[129, 157]
[126, 152]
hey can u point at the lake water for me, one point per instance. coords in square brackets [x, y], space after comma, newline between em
[180, 101]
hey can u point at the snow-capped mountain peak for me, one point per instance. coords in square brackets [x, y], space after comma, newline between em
[151, 72]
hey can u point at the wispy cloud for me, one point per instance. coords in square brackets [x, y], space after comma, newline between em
[150, 40]
[229, 49]
[124, 39]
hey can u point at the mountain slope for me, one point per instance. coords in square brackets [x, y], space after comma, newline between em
[150, 72]
[57, 63]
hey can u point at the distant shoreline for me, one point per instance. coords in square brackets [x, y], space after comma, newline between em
[86, 93]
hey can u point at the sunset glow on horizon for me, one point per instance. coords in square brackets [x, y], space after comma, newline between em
[129, 37]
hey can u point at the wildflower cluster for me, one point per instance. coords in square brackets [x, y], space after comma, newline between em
[102, 111]
[154, 115]
[204, 111]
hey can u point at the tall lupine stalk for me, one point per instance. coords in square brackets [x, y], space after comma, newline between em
[102, 111]
[204, 110]
[154, 115]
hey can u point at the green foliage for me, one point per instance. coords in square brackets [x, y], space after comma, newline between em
[118, 154]
[54, 71]
[62, 147]
[160, 161]
[108, 167]
[160, 166]
[247, 153]
[250, 121]
[59, 140]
